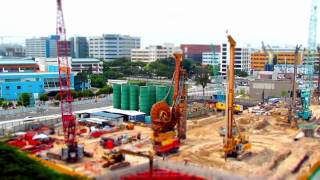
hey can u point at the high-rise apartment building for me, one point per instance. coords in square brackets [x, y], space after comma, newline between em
[79, 47]
[112, 46]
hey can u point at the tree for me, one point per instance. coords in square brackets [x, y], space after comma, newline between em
[241, 73]
[25, 99]
[97, 81]
[88, 93]
[105, 90]
[202, 77]
[44, 97]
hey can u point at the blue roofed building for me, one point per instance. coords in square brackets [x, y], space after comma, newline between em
[19, 75]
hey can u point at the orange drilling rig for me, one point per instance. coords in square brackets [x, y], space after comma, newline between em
[165, 118]
[234, 146]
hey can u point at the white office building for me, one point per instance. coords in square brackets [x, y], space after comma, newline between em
[153, 53]
[77, 65]
[36, 47]
[242, 59]
[112, 46]
[210, 58]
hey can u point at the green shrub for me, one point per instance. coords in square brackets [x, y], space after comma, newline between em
[17, 165]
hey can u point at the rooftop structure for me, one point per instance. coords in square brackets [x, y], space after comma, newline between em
[18, 65]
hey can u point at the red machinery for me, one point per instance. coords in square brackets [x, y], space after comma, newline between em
[164, 118]
[68, 119]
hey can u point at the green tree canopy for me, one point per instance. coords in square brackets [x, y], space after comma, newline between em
[24, 99]
[202, 77]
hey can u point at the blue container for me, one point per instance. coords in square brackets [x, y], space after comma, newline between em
[148, 120]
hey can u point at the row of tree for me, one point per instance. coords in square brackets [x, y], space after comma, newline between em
[81, 94]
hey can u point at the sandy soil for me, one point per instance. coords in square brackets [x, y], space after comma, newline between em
[204, 146]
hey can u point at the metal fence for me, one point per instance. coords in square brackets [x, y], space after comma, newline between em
[22, 110]
[11, 127]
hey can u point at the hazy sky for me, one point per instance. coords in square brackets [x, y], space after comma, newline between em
[158, 21]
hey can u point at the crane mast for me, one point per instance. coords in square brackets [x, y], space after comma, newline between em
[306, 90]
[68, 119]
[234, 145]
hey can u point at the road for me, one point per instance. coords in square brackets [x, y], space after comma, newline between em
[52, 110]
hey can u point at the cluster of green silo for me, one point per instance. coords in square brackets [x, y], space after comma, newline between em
[125, 96]
[134, 97]
[161, 92]
[117, 96]
[144, 99]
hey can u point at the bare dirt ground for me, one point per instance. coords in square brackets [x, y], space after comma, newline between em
[93, 166]
[270, 137]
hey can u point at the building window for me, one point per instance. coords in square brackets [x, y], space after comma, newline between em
[18, 87]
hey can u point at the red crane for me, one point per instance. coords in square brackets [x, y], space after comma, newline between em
[68, 119]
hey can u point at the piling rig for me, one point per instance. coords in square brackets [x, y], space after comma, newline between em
[234, 145]
[165, 119]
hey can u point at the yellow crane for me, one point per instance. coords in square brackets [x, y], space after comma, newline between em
[234, 145]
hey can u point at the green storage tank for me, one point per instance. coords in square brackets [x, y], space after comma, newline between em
[144, 99]
[134, 97]
[161, 92]
[170, 97]
[152, 94]
[116, 96]
[125, 97]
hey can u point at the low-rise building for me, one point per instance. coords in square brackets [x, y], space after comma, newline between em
[152, 53]
[77, 65]
[34, 83]
[242, 59]
[18, 65]
[194, 51]
[211, 58]
[112, 46]
[267, 88]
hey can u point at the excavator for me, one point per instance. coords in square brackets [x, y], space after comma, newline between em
[235, 144]
[165, 119]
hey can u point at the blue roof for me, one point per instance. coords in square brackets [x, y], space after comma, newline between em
[19, 74]
[85, 60]
[107, 115]
[14, 61]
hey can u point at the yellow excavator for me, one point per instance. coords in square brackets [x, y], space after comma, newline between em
[235, 144]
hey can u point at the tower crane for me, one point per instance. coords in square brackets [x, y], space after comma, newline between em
[307, 88]
[234, 146]
[72, 152]
[165, 118]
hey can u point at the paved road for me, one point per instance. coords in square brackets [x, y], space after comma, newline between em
[56, 110]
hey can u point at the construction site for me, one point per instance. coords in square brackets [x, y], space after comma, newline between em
[158, 131]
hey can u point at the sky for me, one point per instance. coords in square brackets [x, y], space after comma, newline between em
[276, 22]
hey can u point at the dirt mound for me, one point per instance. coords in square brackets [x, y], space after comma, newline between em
[260, 124]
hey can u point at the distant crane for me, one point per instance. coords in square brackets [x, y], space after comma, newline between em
[292, 109]
[72, 152]
[306, 90]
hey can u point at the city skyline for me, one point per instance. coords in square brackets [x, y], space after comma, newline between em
[156, 22]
